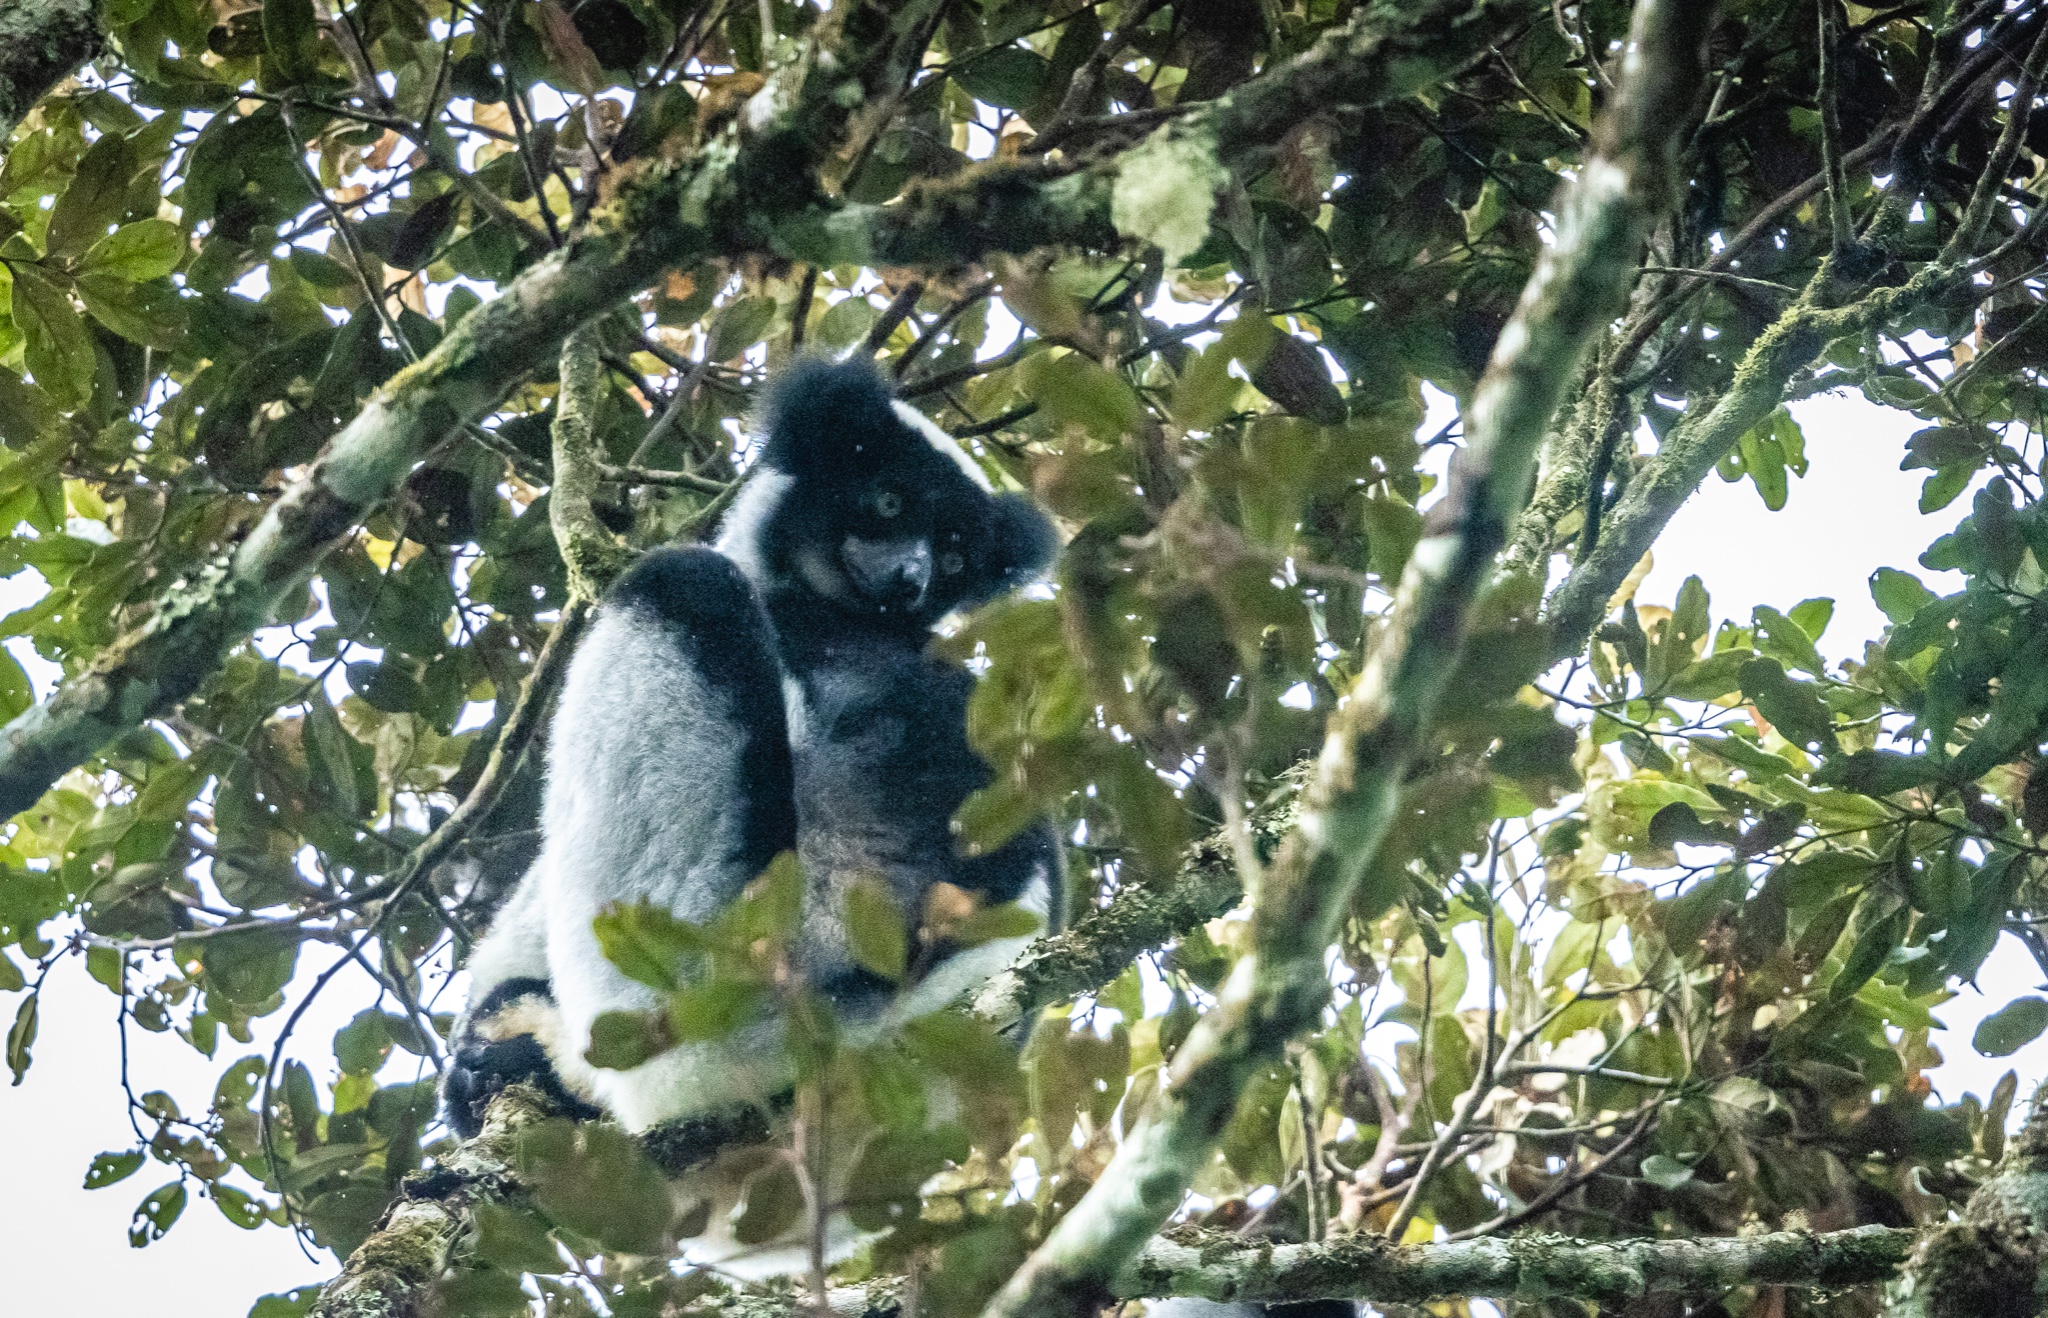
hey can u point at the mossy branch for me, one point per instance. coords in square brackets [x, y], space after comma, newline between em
[42, 42]
[592, 554]
[1280, 988]
[391, 1273]
[388, 1274]
[1703, 438]
[1824, 312]
[1993, 1261]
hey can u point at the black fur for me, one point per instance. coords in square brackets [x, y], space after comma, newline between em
[720, 627]
[479, 1069]
[882, 754]
[814, 621]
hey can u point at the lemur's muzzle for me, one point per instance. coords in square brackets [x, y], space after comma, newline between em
[891, 573]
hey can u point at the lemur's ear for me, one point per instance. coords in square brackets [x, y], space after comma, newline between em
[828, 414]
[1021, 539]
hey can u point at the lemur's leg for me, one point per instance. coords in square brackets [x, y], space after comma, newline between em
[669, 782]
[497, 1038]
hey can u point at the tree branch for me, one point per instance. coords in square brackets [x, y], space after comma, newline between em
[388, 1275]
[1104, 942]
[42, 42]
[1229, 1269]
[592, 554]
[1990, 1263]
[1280, 987]
[409, 1249]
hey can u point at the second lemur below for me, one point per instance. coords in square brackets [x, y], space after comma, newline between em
[772, 694]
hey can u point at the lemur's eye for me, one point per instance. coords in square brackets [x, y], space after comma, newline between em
[950, 562]
[888, 503]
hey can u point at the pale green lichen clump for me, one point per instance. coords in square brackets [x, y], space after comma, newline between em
[1166, 191]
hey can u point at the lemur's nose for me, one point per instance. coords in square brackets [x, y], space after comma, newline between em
[894, 573]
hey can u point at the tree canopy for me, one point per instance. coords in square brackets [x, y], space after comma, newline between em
[1434, 888]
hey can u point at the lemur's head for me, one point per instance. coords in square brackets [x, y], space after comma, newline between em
[861, 502]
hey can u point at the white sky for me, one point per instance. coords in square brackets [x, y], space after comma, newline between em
[65, 1248]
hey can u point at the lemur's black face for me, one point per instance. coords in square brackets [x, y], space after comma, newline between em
[880, 513]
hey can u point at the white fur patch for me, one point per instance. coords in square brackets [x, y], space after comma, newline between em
[516, 946]
[945, 444]
[740, 538]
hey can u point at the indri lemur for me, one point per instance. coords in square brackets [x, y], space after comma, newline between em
[729, 704]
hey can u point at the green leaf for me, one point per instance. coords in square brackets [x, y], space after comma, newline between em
[1666, 1173]
[1764, 460]
[238, 1084]
[238, 1207]
[1878, 773]
[156, 1213]
[1899, 594]
[1874, 941]
[846, 322]
[648, 943]
[1792, 706]
[27, 413]
[97, 195]
[1689, 624]
[59, 352]
[773, 1205]
[151, 314]
[1711, 678]
[329, 755]
[1010, 77]
[291, 33]
[596, 1181]
[22, 1035]
[361, 1046]
[111, 1167]
[1206, 391]
[1079, 392]
[2011, 1028]
[250, 969]
[287, 1304]
[875, 931]
[713, 1010]
[147, 249]
[512, 1239]
[739, 327]
[1941, 489]
[992, 923]
[1788, 640]
[622, 1040]
[1813, 617]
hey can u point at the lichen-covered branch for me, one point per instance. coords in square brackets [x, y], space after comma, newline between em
[1818, 317]
[1229, 1269]
[1990, 1263]
[1104, 942]
[1523, 1268]
[1702, 439]
[42, 42]
[389, 1275]
[592, 554]
[389, 1271]
[1280, 988]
